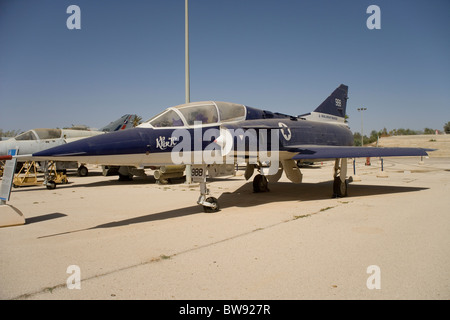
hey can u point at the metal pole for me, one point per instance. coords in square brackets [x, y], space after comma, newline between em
[187, 84]
[362, 132]
[186, 36]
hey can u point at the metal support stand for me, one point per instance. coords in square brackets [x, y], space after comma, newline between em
[421, 160]
[46, 173]
[9, 215]
[382, 174]
[354, 177]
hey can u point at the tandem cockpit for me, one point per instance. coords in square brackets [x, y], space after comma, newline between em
[207, 113]
[204, 113]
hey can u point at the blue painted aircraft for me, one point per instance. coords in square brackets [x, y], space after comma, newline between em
[211, 135]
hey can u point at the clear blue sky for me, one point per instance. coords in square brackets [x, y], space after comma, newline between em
[280, 55]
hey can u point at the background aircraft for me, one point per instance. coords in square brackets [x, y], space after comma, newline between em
[36, 140]
[233, 131]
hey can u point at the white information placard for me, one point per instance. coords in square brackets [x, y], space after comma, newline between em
[8, 177]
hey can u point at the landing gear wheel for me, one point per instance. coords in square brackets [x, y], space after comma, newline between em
[82, 171]
[215, 206]
[339, 188]
[51, 185]
[260, 184]
[125, 177]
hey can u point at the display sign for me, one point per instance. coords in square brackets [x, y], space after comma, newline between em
[8, 176]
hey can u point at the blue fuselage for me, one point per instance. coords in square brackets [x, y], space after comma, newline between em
[153, 146]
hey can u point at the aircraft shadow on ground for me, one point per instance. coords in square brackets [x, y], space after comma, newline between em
[170, 214]
[45, 217]
[108, 182]
[245, 197]
[126, 222]
[286, 191]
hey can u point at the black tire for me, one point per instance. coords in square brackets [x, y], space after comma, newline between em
[339, 188]
[125, 177]
[211, 209]
[83, 171]
[260, 183]
[51, 185]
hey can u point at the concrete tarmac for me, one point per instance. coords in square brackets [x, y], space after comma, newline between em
[389, 239]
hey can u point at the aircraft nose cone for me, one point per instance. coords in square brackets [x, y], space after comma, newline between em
[129, 141]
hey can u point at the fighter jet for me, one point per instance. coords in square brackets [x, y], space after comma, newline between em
[212, 135]
[36, 140]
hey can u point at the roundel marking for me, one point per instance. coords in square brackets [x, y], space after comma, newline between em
[285, 131]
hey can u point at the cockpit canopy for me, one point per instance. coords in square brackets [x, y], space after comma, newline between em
[39, 134]
[204, 113]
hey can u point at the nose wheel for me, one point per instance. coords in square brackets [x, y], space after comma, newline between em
[211, 205]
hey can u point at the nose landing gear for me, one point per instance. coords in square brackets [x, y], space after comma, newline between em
[210, 204]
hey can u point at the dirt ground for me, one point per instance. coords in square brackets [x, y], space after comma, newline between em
[389, 239]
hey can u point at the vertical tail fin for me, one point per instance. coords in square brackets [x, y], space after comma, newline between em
[332, 108]
[124, 122]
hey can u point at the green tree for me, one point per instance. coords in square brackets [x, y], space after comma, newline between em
[405, 132]
[383, 133]
[447, 127]
[357, 139]
[137, 121]
[373, 136]
[9, 133]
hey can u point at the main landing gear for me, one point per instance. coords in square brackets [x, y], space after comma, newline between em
[260, 183]
[340, 184]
